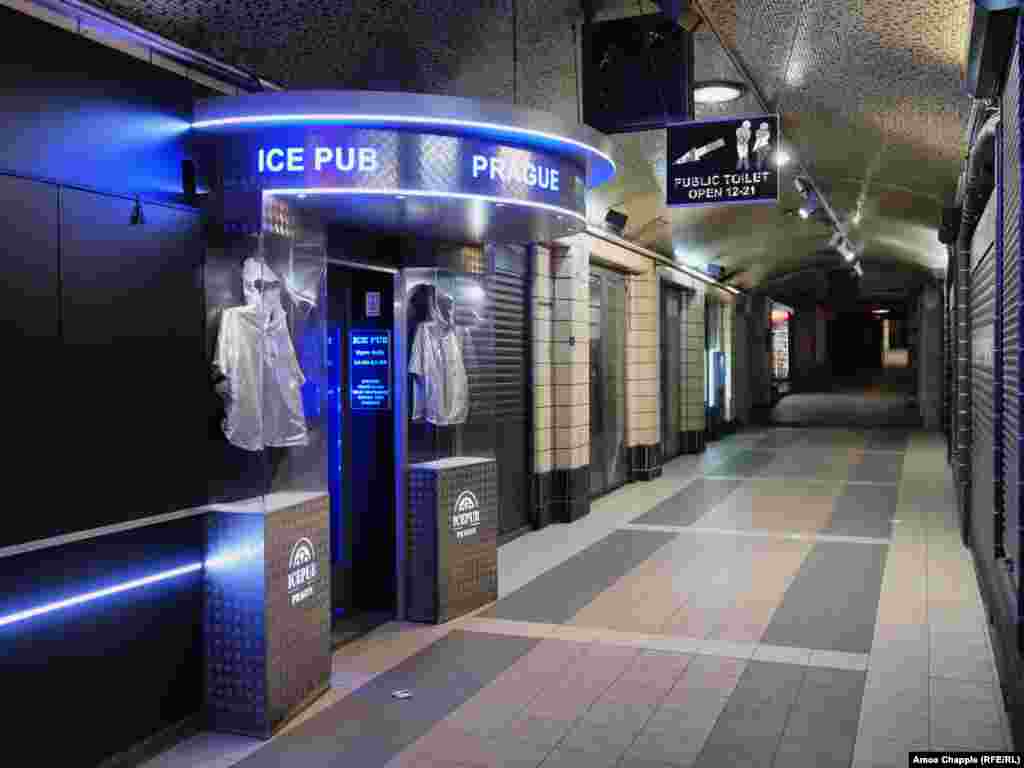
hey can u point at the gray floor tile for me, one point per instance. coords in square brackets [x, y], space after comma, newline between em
[370, 726]
[639, 762]
[744, 463]
[600, 739]
[691, 503]
[736, 755]
[823, 753]
[569, 758]
[822, 726]
[807, 465]
[752, 723]
[878, 468]
[699, 712]
[833, 600]
[540, 731]
[557, 595]
[887, 439]
[780, 439]
[885, 753]
[614, 713]
[675, 747]
[864, 510]
[514, 753]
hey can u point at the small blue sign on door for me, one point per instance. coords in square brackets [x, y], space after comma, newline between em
[370, 370]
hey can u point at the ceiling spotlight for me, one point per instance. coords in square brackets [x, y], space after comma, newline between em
[855, 219]
[880, 311]
[846, 250]
[717, 91]
[804, 212]
[782, 158]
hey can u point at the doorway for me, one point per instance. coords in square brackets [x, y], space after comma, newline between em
[671, 370]
[361, 452]
[608, 465]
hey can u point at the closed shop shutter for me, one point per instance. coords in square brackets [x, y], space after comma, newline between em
[510, 386]
[982, 334]
[1011, 309]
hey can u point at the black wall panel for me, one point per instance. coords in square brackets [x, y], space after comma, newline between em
[81, 113]
[94, 680]
[134, 415]
[29, 237]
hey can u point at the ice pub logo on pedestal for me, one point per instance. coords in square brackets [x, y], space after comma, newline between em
[301, 571]
[466, 516]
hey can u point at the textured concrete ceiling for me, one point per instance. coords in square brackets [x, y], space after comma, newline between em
[869, 93]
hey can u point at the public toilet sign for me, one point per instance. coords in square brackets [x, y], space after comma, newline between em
[729, 161]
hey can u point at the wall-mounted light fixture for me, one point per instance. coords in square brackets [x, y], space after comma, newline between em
[718, 91]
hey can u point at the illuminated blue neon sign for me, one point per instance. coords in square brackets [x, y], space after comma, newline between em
[369, 354]
[293, 159]
[344, 159]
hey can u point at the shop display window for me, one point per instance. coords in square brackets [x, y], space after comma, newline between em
[268, 365]
[451, 362]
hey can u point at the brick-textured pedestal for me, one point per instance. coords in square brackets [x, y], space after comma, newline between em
[452, 537]
[267, 615]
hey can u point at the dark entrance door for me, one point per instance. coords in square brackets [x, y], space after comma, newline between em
[361, 457]
[608, 469]
[671, 370]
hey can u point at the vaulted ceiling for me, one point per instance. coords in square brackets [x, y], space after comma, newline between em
[868, 90]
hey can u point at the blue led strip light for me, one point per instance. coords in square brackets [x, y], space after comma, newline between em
[435, 122]
[299, 191]
[13, 618]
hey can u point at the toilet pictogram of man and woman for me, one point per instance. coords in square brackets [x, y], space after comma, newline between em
[762, 146]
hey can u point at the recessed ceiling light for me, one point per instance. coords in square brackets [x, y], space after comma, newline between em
[804, 213]
[782, 158]
[717, 91]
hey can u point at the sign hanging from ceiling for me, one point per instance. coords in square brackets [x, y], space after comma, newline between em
[729, 161]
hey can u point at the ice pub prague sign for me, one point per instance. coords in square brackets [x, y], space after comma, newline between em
[301, 571]
[728, 161]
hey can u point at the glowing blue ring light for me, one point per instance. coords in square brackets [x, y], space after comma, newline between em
[487, 121]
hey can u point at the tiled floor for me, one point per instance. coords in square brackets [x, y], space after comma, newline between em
[792, 597]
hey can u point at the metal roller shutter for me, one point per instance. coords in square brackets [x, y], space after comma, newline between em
[1011, 309]
[512, 404]
[503, 384]
[982, 333]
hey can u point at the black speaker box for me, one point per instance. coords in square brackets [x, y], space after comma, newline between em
[949, 230]
[637, 74]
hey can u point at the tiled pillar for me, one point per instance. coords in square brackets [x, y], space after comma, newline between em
[929, 358]
[694, 353]
[642, 392]
[728, 323]
[570, 366]
[541, 303]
